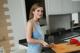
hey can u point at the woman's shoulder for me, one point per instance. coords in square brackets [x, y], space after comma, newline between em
[30, 22]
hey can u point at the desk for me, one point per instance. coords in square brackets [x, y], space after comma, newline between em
[65, 48]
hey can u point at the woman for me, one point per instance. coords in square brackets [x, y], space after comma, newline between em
[34, 35]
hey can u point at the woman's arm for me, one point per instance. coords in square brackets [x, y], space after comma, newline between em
[29, 30]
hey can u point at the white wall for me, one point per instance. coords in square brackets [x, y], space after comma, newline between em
[18, 19]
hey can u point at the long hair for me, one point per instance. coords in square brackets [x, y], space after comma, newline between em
[34, 6]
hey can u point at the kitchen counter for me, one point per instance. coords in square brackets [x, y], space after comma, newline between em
[65, 48]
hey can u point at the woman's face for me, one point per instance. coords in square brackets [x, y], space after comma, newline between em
[38, 13]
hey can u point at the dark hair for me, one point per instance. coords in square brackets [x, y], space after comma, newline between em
[34, 6]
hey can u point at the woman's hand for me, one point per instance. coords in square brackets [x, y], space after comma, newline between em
[51, 45]
[44, 44]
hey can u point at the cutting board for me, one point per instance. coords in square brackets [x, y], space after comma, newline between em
[64, 48]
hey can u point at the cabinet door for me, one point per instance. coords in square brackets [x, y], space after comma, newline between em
[54, 6]
[66, 6]
[59, 6]
[76, 6]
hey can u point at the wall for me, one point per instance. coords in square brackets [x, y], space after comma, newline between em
[18, 19]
